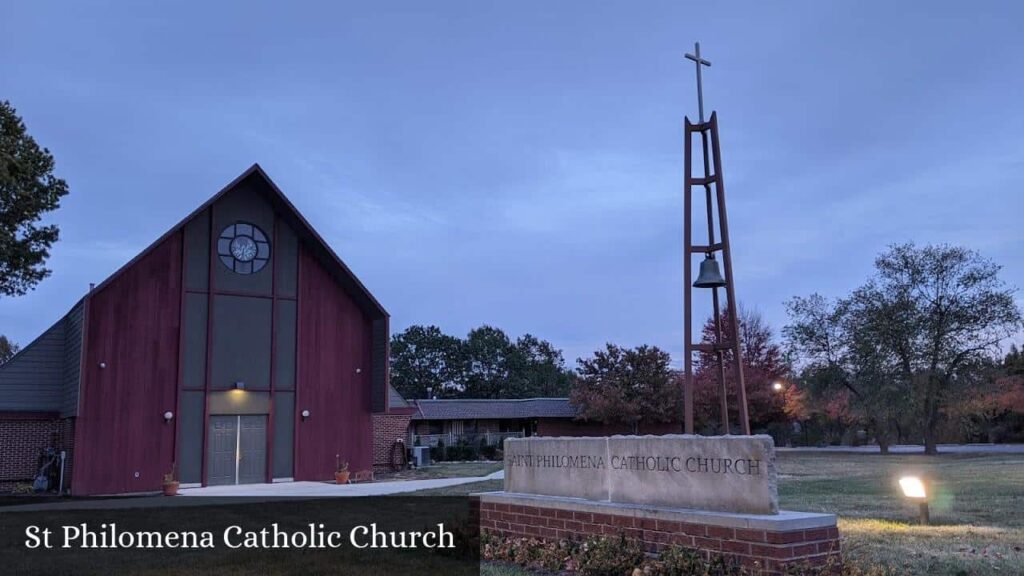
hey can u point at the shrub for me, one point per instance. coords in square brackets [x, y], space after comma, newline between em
[677, 561]
[608, 556]
[488, 451]
[462, 450]
[438, 453]
[529, 552]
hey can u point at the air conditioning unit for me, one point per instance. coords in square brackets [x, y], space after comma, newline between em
[421, 456]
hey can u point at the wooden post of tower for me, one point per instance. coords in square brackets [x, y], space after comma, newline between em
[726, 338]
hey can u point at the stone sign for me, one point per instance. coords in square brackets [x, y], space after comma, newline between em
[719, 473]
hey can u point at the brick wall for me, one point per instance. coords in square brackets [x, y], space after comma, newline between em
[386, 429]
[769, 551]
[22, 439]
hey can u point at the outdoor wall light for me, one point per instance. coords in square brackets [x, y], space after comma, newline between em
[914, 488]
[239, 385]
[103, 365]
[168, 416]
[305, 414]
[359, 370]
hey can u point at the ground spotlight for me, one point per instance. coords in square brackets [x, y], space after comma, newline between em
[914, 488]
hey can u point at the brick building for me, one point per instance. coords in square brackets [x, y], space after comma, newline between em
[493, 420]
[391, 431]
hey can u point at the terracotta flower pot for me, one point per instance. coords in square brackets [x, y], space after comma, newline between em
[171, 488]
[341, 477]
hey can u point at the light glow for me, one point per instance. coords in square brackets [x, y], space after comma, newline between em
[913, 487]
[777, 386]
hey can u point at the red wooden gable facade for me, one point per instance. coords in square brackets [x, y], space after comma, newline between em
[163, 339]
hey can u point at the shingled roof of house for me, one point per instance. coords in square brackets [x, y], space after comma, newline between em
[494, 409]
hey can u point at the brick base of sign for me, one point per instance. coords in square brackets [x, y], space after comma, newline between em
[771, 544]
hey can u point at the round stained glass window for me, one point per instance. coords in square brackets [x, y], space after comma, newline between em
[243, 248]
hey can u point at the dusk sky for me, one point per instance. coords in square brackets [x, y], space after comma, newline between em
[519, 164]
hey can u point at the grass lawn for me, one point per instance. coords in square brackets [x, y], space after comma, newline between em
[444, 470]
[495, 569]
[977, 510]
[462, 489]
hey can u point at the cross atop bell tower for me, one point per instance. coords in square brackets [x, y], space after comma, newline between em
[725, 334]
[700, 85]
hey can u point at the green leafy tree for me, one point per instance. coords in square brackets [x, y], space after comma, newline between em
[538, 369]
[486, 364]
[912, 339]
[7, 349]
[426, 362]
[28, 189]
[490, 362]
[839, 345]
[627, 386]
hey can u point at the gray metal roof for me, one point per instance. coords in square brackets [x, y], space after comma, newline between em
[494, 409]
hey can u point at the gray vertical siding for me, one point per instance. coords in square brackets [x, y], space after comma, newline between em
[197, 252]
[241, 342]
[33, 380]
[285, 326]
[287, 254]
[190, 436]
[194, 348]
[284, 433]
[73, 330]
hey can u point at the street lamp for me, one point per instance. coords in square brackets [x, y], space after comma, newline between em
[914, 488]
[777, 386]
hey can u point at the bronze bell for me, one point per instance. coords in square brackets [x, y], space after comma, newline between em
[710, 276]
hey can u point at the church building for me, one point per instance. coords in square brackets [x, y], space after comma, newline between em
[237, 348]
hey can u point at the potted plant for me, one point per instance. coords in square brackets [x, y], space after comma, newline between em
[340, 470]
[170, 484]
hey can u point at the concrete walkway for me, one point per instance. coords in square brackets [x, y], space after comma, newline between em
[211, 495]
[319, 489]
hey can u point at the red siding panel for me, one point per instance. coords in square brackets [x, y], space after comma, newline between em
[133, 328]
[334, 340]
